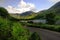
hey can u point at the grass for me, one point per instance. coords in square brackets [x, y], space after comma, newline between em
[24, 17]
[12, 30]
[45, 26]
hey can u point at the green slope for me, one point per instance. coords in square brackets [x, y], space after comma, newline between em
[11, 30]
[54, 9]
[27, 17]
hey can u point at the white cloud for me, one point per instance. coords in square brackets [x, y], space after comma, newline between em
[54, 1]
[11, 9]
[22, 7]
[22, 4]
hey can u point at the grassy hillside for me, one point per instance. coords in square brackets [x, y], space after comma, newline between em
[11, 30]
[30, 16]
[54, 9]
[40, 15]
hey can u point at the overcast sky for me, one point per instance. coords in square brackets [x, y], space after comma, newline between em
[19, 6]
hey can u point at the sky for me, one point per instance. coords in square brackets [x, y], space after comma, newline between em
[20, 6]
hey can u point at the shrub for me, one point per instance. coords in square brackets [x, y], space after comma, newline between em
[45, 26]
[5, 29]
[57, 28]
[30, 21]
[12, 30]
[50, 18]
[34, 36]
[19, 33]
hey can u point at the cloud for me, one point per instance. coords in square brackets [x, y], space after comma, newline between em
[11, 9]
[54, 1]
[22, 7]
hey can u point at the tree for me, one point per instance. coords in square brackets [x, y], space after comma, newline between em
[50, 18]
[3, 12]
[34, 36]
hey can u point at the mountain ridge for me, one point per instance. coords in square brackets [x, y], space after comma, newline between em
[54, 9]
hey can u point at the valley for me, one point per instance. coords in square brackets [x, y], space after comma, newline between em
[29, 25]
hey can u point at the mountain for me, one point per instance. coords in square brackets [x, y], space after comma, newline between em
[26, 13]
[54, 9]
[55, 6]
[41, 14]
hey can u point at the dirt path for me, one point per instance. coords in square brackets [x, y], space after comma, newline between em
[45, 34]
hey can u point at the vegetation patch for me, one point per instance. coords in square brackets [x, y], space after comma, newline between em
[45, 26]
